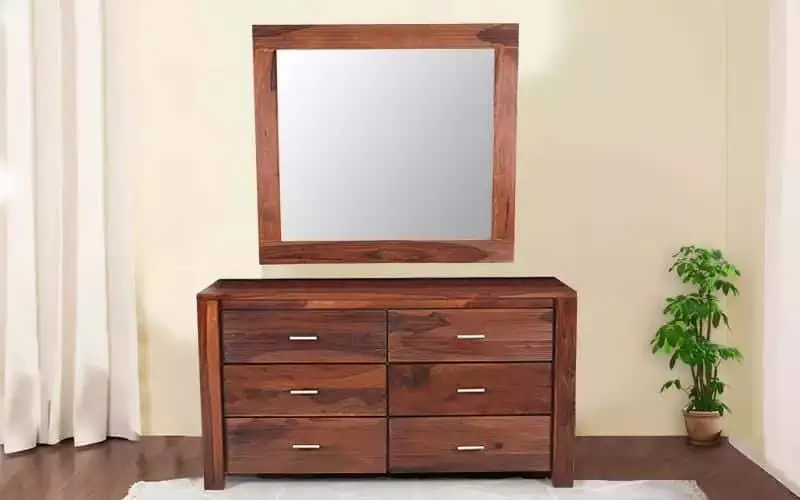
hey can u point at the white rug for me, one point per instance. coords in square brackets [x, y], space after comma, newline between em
[413, 489]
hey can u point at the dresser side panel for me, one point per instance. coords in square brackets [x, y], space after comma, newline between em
[564, 392]
[211, 393]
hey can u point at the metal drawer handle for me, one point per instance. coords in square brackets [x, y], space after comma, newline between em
[306, 446]
[476, 336]
[471, 390]
[470, 448]
[297, 338]
[304, 392]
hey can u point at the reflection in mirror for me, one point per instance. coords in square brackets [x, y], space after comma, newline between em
[385, 144]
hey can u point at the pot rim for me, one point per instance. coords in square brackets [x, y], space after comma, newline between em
[702, 414]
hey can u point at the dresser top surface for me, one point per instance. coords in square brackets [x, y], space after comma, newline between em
[357, 288]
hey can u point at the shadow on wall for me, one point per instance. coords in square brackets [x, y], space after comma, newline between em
[624, 205]
[181, 361]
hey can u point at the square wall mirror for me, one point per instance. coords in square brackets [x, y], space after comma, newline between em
[385, 143]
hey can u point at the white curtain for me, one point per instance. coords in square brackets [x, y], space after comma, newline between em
[782, 266]
[68, 344]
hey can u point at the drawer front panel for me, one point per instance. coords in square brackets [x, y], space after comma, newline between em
[473, 444]
[471, 335]
[304, 390]
[304, 336]
[306, 445]
[470, 389]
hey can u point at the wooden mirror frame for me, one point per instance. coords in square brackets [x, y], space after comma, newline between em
[503, 38]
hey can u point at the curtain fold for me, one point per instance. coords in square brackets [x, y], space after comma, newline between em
[68, 362]
[781, 400]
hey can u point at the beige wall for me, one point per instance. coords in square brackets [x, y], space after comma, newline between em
[622, 158]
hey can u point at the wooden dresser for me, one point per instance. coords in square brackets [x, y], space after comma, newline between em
[397, 376]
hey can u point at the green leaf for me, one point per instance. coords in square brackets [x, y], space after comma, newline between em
[673, 335]
[730, 353]
[672, 360]
[660, 342]
[671, 383]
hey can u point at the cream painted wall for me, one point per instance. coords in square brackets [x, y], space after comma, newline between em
[622, 158]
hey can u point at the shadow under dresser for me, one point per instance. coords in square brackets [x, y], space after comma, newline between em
[388, 376]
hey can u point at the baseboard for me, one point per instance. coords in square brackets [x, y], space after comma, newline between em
[758, 460]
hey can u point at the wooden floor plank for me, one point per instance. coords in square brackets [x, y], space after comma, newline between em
[106, 471]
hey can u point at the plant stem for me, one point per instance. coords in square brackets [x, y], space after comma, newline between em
[700, 378]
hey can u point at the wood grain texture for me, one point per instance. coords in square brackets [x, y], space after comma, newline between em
[564, 392]
[346, 445]
[211, 393]
[386, 36]
[266, 136]
[262, 336]
[384, 302]
[507, 389]
[342, 390]
[267, 39]
[535, 316]
[433, 335]
[420, 445]
[461, 292]
[505, 143]
[384, 251]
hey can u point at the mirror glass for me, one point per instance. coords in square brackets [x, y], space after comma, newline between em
[385, 144]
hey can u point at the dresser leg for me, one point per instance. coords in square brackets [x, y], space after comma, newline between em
[563, 471]
[562, 481]
[211, 393]
[214, 480]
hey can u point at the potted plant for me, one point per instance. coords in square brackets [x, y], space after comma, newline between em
[686, 337]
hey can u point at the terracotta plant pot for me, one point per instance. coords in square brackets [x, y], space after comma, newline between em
[703, 428]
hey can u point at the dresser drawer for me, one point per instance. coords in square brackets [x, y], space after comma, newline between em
[472, 444]
[304, 390]
[303, 336]
[470, 389]
[471, 335]
[306, 445]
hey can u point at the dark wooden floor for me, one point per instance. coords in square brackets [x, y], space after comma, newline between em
[105, 471]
